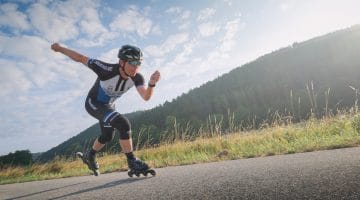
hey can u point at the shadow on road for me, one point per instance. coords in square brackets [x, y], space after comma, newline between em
[32, 194]
[107, 185]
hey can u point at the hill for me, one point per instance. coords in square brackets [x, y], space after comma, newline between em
[312, 77]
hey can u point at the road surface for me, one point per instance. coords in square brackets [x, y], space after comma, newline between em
[332, 174]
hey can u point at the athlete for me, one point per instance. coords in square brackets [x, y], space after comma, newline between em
[112, 82]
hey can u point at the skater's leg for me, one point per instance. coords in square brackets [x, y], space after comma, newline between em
[97, 146]
[123, 125]
[126, 145]
[107, 133]
[100, 111]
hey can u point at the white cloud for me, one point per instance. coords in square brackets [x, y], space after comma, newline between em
[31, 48]
[156, 30]
[66, 20]
[208, 29]
[13, 80]
[228, 2]
[173, 10]
[11, 17]
[33, 118]
[33, 56]
[97, 41]
[110, 56]
[193, 65]
[229, 40]
[170, 44]
[132, 21]
[185, 55]
[205, 14]
[185, 25]
[87, 19]
[91, 24]
[38, 86]
[284, 6]
[51, 24]
[180, 17]
[185, 15]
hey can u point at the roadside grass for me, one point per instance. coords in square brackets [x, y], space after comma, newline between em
[338, 131]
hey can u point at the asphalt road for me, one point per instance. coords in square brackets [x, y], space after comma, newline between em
[333, 174]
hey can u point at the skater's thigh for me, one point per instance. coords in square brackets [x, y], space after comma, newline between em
[107, 132]
[99, 111]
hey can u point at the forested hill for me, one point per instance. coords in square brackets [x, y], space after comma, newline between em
[315, 75]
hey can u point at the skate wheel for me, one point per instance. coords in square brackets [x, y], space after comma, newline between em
[137, 174]
[96, 173]
[79, 154]
[152, 172]
[130, 174]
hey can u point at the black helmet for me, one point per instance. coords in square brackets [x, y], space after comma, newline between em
[129, 52]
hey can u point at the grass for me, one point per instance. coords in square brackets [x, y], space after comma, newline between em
[315, 134]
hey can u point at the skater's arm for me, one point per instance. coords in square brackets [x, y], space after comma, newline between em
[70, 53]
[147, 92]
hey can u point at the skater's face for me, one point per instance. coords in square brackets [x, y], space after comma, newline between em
[131, 67]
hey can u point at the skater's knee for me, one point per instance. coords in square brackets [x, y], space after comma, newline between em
[122, 124]
[125, 135]
[106, 137]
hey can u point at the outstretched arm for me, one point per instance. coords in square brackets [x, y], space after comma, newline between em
[70, 53]
[146, 93]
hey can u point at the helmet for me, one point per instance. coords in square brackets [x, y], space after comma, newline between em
[129, 52]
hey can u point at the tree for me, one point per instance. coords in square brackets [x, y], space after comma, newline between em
[19, 158]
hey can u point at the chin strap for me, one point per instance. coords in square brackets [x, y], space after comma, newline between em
[123, 69]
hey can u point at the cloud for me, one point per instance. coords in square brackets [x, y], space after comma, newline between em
[229, 40]
[97, 41]
[169, 45]
[38, 86]
[33, 56]
[66, 20]
[174, 10]
[132, 21]
[43, 119]
[195, 66]
[284, 7]
[180, 17]
[51, 24]
[208, 29]
[31, 48]
[228, 2]
[184, 56]
[185, 15]
[11, 17]
[90, 23]
[110, 56]
[12, 78]
[205, 14]
[156, 30]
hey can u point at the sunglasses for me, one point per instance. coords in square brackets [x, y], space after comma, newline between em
[134, 62]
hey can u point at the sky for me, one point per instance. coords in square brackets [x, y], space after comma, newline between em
[42, 93]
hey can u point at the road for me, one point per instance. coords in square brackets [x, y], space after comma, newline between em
[332, 174]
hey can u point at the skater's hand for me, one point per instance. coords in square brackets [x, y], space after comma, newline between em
[155, 77]
[56, 47]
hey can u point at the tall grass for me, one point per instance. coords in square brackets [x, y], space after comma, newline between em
[278, 136]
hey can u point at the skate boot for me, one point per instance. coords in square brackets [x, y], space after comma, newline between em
[138, 167]
[90, 161]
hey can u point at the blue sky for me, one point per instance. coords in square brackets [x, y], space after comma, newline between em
[42, 93]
